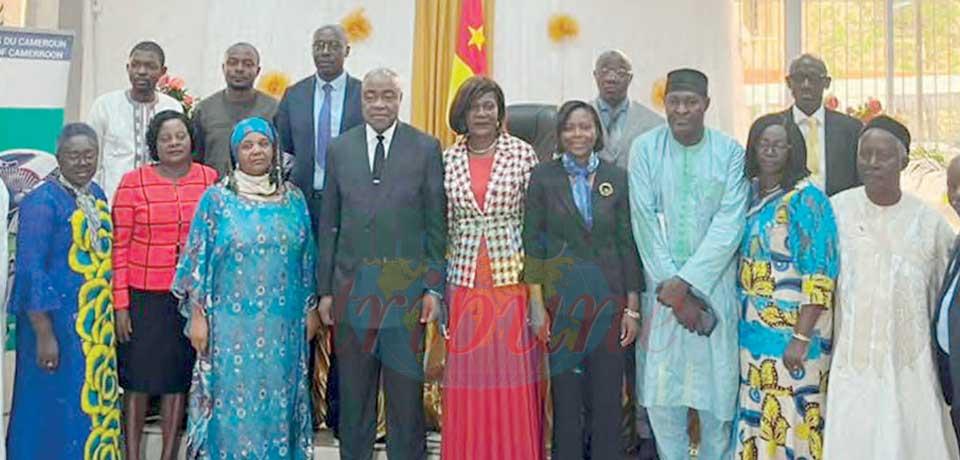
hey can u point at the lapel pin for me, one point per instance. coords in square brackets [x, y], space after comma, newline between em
[606, 189]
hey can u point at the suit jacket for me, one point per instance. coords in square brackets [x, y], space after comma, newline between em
[296, 126]
[948, 366]
[639, 119]
[501, 220]
[556, 236]
[842, 134]
[379, 243]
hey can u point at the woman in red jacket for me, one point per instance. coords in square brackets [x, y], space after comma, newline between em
[152, 211]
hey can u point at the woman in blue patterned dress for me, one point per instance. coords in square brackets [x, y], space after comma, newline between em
[788, 267]
[65, 390]
[246, 282]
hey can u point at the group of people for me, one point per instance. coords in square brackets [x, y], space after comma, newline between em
[655, 261]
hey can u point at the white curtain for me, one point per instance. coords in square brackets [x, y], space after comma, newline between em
[658, 36]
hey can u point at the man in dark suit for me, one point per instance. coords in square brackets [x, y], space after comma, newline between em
[316, 110]
[831, 136]
[382, 237]
[946, 318]
[312, 113]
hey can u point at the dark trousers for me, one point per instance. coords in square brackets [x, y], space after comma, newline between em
[594, 384]
[331, 397]
[366, 357]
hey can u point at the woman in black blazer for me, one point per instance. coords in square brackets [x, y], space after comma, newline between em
[584, 274]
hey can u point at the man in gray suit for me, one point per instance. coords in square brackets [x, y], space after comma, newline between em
[381, 269]
[317, 109]
[623, 120]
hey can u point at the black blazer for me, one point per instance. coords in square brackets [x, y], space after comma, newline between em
[553, 228]
[948, 366]
[400, 222]
[296, 126]
[842, 134]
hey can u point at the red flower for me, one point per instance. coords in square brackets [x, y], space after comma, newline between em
[188, 99]
[832, 102]
[874, 106]
[176, 83]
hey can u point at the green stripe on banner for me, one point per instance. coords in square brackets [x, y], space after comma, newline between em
[30, 128]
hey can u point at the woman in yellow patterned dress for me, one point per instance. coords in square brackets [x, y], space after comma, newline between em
[788, 267]
[65, 390]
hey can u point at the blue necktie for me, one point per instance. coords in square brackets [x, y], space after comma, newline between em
[323, 134]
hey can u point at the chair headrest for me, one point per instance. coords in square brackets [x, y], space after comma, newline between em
[536, 124]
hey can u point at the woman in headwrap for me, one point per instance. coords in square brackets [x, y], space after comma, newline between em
[65, 390]
[246, 284]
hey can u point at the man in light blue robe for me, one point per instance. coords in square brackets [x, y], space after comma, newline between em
[688, 199]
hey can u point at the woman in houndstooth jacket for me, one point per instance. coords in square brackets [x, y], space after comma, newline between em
[492, 406]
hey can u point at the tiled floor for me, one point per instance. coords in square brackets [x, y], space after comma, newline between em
[325, 446]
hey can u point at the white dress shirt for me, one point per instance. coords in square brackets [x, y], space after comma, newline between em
[800, 119]
[338, 95]
[372, 142]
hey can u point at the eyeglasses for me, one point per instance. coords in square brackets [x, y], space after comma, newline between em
[776, 146]
[328, 46]
[620, 72]
[809, 77]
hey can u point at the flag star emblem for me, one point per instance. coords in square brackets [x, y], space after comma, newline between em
[477, 38]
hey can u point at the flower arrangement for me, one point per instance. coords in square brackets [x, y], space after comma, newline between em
[176, 88]
[563, 28]
[274, 83]
[357, 26]
[866, 111]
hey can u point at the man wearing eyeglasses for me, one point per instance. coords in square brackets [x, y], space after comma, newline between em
[831, 136]
[313, 112]
[623, 120]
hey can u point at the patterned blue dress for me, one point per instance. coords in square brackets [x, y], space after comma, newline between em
[789, 258]
[62, 269]
[250, 264]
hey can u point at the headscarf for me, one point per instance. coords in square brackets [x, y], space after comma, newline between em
[267, 184]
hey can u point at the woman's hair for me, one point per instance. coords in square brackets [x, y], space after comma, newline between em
[563, 115]
[153, 130]
[470, 91]
[71, 130]
[795, 168]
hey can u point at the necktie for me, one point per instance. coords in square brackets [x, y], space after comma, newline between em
[323, 137]
[813, 146]
[379, 156]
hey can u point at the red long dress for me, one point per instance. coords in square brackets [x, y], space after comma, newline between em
[491, 395]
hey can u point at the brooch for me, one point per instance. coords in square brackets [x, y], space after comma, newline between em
[605, 189]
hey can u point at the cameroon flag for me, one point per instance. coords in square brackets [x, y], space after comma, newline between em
[471, 53]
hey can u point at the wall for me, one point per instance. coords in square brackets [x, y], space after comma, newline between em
[657, 35]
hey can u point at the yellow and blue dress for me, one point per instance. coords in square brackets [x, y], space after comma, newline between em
[789, 258]
[63, 268]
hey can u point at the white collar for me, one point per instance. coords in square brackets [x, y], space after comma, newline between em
[338, 83]
[799, 117]
[387, 134]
